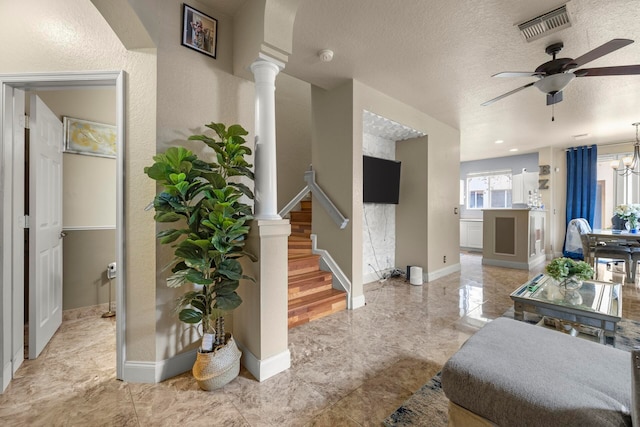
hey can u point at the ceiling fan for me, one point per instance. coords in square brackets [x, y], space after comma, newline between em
[555, 75]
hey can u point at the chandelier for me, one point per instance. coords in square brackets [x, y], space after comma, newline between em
[629, 164]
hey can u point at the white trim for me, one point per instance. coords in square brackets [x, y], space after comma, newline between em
[175, 365]
[34, 81]
[433, 275]
[370, 277]
[155, 372]
[340, 280]
[89, 227]
[266, 368]
[17, 359]
[357, 302]
[139, 372]
[6, 375]
[512, 264]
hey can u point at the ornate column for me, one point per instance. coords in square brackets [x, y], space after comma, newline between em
[265, 71]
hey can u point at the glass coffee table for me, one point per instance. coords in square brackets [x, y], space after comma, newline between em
[595, 305]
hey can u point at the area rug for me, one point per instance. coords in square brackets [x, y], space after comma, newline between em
[428, 406]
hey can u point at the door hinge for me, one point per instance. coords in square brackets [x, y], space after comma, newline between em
[25, 121]
[26, 221]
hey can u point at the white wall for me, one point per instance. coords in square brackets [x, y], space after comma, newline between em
[379, 220]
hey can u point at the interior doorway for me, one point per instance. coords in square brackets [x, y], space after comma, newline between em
[13, 221]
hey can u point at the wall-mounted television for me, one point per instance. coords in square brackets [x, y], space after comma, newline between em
[380, 180]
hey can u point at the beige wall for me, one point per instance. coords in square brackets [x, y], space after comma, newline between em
[293, 135]
[337, 158]
[411, 213]
[443, 165]
[86, 256]
[193, 90]
[59, 35]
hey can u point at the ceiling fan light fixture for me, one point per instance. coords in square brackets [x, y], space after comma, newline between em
[554, 83]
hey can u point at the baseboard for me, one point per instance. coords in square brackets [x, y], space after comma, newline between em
[370, 277]
[139, 372]
[433, 275]
[155, 372]
[512, 264]
[6, 376]
[357, 302]
[266, 368]
[18, 358]
[175, 365]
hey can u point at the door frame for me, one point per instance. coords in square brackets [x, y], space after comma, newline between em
[12, 212]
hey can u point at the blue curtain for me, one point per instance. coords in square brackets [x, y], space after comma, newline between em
[581, 184]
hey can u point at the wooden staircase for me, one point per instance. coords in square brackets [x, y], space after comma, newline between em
[311, 293]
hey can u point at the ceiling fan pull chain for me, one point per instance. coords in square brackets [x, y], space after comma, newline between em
[553, 112]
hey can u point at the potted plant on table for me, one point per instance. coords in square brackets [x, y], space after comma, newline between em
[210, 224]
[569, 273]
[630, 213]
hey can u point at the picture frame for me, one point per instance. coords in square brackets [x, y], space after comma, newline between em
[199, 31]
[89, 138]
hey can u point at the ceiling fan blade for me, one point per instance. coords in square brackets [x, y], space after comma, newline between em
[598, 52]
[517, 74]
[504, 95]
[622, 70]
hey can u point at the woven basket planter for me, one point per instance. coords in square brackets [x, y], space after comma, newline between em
[214, 370]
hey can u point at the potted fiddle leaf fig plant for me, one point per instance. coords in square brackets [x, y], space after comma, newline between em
[209, 225]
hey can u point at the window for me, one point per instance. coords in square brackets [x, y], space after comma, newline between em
[489, 190]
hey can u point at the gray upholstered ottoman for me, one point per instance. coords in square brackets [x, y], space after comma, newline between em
[516, 374]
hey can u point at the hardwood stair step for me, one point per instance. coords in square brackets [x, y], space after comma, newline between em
[299, 245]
[305, 284]
[305, 309]
[300, 217]
[305, 205]
[300, 264]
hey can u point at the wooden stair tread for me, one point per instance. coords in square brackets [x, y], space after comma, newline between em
[317, 298]
[306, 276]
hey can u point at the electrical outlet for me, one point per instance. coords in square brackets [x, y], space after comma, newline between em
[444, 259]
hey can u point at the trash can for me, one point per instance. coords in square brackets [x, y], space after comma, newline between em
[415, 275]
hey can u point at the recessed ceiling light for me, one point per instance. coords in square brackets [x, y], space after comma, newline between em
[514, 149]
[499, 141]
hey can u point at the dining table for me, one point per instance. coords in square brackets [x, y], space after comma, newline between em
[611, 238]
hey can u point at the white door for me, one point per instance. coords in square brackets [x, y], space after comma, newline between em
[45, 225]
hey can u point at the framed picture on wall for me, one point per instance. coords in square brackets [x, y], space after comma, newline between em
[89, 138]
[199, 31]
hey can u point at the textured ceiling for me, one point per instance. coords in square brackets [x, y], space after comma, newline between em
[374, 124]
[438, 56]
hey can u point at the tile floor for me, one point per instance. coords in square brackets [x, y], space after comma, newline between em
[350, 369]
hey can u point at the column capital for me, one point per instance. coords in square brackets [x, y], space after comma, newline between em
[265, 61]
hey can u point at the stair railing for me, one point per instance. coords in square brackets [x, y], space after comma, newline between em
[325, 202]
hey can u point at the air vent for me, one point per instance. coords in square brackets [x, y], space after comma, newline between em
[545, 24]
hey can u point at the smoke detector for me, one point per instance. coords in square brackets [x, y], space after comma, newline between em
[545, 24]
[325, 55]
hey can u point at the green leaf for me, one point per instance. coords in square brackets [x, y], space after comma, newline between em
[157, 172]
[167, 217]
[189, 315]
[236, 130]
[231, 269]
[177, 279]
[195, 276]
[243, 189]
[177, 177]
[226, 287]
[228, 302]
